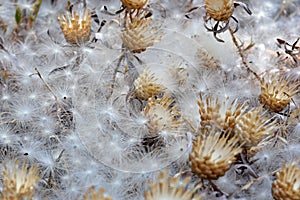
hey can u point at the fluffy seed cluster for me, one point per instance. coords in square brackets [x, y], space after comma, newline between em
[19, 181]
[277, 93]
[287, 183]
[76, 27]
[171, 188]
[163, 115]
[139, 32]
[146, 85]
[213, 154]
[219, 10]
[134, 4]
[93, 194]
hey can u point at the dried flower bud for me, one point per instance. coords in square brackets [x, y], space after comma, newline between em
[219, 10]
[139, 33]
[213, 154]
[92, 194]
[146, 86]
[18, 181]
[217, 114]
[276, 94]
[287, 183]
[171, 188]
[252, 127]
[134, 4]
[76, 27]
[162, 115]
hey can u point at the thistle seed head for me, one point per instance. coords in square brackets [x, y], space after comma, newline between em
[219, 10]
[287, 183]
[92, 194]
[146, 85]
[276, 93]
[171, 188]
[134, 4]
[76, 27]
[139, 32]
[213, 154]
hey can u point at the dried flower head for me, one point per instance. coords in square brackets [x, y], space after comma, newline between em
[139, 33]
[252, 127]
[219, 10]
[217, 114]
[92, 194]
[287, 183]
[134, 4]
[163, 115]
[171, 188]
[76, 26]
[146, 85]
[213, 154]
[19, 181]
[277, 93]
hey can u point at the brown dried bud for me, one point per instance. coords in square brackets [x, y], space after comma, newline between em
[134, 4]
[276, 94]
[76, 27]
[287, 183]
[219, 10]
[213, 154]
[92, 194]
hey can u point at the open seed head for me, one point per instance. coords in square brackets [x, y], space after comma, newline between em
[19, 181]
[76, 27]
[171, 188]
[139, 32]
[163, 115]
[146, 85]
[287, 183]
[134, 4]
[213, 154]
[219, 10]
[276, 93]
[252, 127]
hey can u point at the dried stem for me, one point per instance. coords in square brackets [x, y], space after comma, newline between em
[241, 53]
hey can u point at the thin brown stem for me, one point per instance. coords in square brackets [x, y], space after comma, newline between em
[241, 53]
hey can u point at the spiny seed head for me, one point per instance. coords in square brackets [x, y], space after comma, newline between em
[146, 85]
[139, 33]
[252, 127]
[92, 194]
[134, 4]
[217, 114]
[287, 183]
[213, 154]
[76, 26]
[18, 181]
[171, 188]
[163, 115]
[277, 93]
[219, 10]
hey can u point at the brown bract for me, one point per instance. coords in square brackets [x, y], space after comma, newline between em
[93, 194]
[287, 183]
[76, 27]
